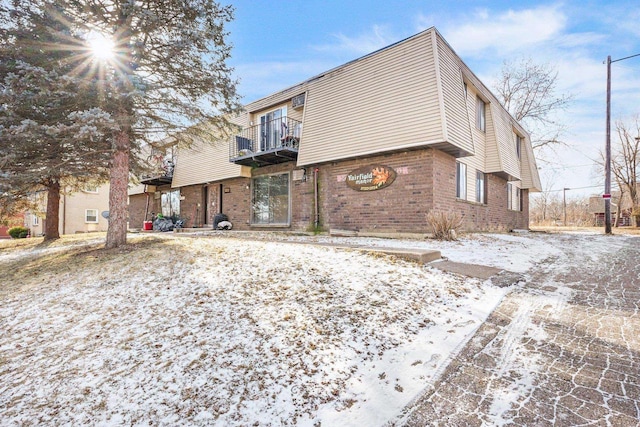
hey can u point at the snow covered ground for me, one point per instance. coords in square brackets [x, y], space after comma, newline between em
[179, 330]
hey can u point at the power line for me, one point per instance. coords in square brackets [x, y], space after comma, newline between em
[573, 188]
[569, 167]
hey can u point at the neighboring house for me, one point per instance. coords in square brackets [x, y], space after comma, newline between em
[596, 209]
[80, 211]
[369, 147]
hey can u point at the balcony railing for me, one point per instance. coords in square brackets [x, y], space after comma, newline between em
[161, 172]
[270, 142]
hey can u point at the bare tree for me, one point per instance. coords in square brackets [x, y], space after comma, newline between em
[625, 161]
[539, 209]
[625, 165]
[528, 91]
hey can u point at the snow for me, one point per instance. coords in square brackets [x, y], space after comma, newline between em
[224, 331]
[513, 252]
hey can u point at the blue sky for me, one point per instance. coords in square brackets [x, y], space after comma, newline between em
[280, 43]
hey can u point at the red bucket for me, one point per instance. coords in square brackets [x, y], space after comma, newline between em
[147, 225]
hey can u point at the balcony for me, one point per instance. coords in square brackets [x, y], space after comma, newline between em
[160, 174]
[269, 143]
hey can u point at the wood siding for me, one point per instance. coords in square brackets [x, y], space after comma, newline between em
[382, 102]
[530, 176]
[206, 162]
[457, 120]
[477, 161]
[499, 144]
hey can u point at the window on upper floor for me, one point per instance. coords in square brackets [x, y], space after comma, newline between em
[481, 108]
[90, 189]
[35, 220]
[91, 216]
[519, 141]
[273, 126]
[481, 188]
[461, 180]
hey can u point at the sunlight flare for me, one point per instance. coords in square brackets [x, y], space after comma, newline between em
[102, 47]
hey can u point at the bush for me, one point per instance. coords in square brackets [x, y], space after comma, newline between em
[18, 232]
[445, 225]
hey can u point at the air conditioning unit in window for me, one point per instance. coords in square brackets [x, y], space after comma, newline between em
[298, 101]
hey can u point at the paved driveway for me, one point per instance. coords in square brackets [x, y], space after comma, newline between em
[562, 349]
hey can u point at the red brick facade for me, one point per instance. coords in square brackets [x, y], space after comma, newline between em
[426, 180]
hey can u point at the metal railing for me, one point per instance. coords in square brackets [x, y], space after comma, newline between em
[277, 134]
[161, 167]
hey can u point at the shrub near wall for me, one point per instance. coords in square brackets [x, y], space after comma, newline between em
[18, 232]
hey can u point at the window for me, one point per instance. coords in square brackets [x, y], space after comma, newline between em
[35, 220]
[480, 114]
[272, 125]
[90, 189]
[514, 197]
[518, 145]
[461, 180]
[170, 202]
[481, 192]
[466, 89]
[270, 200]
[91, 215]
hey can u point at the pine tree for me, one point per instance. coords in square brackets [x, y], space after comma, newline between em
[52, 133]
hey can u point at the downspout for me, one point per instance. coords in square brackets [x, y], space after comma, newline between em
[146, 208]
[316, 220]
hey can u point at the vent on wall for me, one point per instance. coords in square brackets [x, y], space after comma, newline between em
[298, 101]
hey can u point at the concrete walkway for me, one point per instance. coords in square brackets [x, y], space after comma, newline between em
[562, 349]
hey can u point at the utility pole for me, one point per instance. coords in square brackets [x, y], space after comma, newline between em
[607, 161]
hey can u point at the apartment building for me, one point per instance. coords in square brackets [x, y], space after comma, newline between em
[369, 147]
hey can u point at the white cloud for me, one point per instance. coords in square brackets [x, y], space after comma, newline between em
[259, 79]
[377, 37]
[505, 32]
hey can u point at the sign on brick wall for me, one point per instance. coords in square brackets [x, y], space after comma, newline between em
[370, 178]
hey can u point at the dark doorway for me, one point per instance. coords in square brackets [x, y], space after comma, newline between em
[205, 210]
[220, 193]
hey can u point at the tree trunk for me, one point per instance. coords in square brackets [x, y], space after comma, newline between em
[617, 220]
[119, 182]
[51, 231]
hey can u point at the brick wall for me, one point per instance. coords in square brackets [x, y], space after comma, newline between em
[137, 204]
[426, 179]
[192, 205]
[401, 207]
[236, 201]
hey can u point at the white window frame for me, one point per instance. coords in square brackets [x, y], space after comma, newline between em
[287, 223]
[461, 180]
[481, 187]
[514, 197]
[481, 114]
[35, 220]
[271, 132]
[91, 190]
[519, 140]
[86, 216]
[170, 201]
